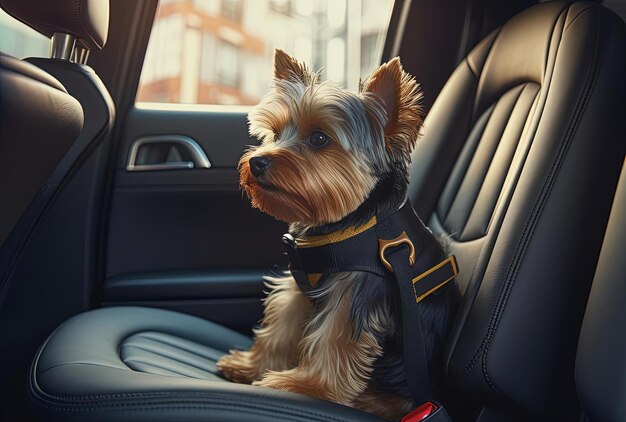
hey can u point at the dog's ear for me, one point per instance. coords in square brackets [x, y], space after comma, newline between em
[400, 96]
[286, 67]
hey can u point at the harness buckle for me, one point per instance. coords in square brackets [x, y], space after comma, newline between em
[383, 245]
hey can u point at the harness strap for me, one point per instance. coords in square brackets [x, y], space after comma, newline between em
[415, 286]
[414, 348]
[435, 278]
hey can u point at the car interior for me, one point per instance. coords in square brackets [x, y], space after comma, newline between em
[130, 261]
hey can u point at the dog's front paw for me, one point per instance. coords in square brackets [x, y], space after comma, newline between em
[284, 380]
[238, 366]
[294, 381]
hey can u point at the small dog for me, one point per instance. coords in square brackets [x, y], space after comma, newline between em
[329, 161]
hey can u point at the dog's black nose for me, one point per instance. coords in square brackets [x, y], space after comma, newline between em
[259, 165]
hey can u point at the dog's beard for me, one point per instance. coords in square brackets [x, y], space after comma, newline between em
[315, 190]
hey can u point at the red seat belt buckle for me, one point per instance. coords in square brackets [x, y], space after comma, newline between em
[421, 412]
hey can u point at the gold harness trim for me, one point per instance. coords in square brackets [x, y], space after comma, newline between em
[334, 237]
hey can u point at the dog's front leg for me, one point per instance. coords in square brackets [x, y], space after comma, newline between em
[276, 341]
[337, 360]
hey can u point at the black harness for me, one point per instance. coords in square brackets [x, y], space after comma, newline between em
[397, 247]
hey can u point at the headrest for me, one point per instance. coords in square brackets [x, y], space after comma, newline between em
[87, 20]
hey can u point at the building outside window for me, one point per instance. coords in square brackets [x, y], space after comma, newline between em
[227, 64]
[221, 51]
[231, 9]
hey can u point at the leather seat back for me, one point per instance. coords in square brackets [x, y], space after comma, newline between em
[64, 242]
[600, 363]
[39, 122]
[517, 166]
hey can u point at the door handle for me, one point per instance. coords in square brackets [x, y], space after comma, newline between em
[166, 152]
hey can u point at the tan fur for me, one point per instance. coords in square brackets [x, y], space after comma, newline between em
[324, 360]
[401, 97]
[276, 342]
[313, 188]
[286, 67]
[316, 187]
[333, 364]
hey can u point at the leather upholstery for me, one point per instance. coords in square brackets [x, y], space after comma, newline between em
[40, 126]
[161, 364]
[88, 20]
[153, 352]
[600, 363]
[517, 167]
[40, 121]
[27, 243]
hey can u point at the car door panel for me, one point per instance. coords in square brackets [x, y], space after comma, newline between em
[164, 229]
[188, 239]
[231, 297]
[221, 134]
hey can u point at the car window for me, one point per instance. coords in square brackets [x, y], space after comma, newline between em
[21, 41]
[220, 52]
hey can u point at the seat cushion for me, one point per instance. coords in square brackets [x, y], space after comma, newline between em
[132, 363]
[166, 354]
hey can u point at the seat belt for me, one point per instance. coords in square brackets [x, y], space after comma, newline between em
[415, 283]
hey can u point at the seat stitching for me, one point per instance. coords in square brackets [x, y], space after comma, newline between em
[166, 356]
[576, 17]
[86, 399]
[139, 361]
[186, 405]
[562, 14]
[482, 68]
[489, 110]
[169, 343]
[522, 149]
[469, 65]
[493, 155]
[82, 363]
[236, 401]
[176, 373]
[536, 211]
[132, 343]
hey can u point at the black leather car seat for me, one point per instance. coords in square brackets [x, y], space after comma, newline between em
[517, 166]
[601, 363]
[538, 137]
[43, 277]
[39, 122]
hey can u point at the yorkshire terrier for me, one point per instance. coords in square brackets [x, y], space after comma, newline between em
[329, 161]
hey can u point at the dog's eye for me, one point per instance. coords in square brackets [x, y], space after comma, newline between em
[318, 139]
